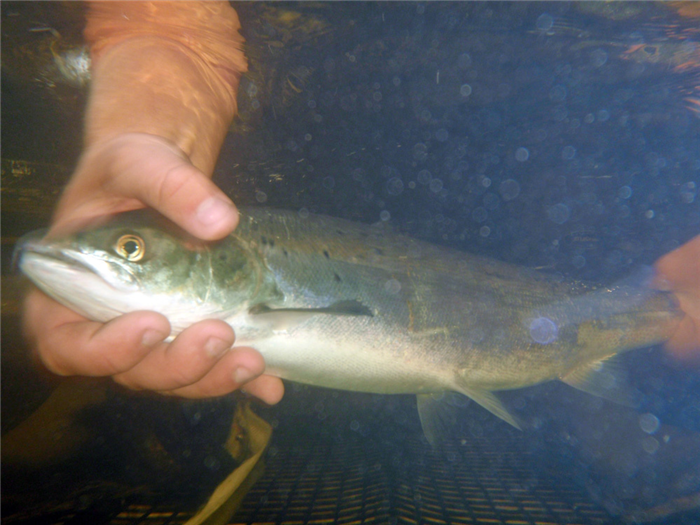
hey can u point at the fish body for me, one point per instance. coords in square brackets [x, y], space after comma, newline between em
[337, 304]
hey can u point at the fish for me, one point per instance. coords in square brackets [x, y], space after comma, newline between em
[349, 306]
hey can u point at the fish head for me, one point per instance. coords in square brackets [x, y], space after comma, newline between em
[140, 262]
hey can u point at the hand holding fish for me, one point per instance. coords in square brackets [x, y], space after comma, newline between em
[680, 271]
[131, 348]
[147, 144]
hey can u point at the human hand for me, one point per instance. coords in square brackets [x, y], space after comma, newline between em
[125, 173]
[679, 271]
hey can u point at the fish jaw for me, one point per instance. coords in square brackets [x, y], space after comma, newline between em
[101, 290]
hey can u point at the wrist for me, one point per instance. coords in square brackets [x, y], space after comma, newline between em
[154, 86]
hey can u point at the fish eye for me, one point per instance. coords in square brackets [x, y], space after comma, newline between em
[131, 247]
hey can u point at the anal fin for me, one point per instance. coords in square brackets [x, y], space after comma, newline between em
[436, 416]
[606, 379]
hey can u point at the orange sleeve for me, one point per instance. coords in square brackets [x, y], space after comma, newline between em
[168, 68]
[207, 30]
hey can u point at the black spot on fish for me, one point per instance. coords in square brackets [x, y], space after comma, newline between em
[263, 240]
[340, 232]
[272, 243]
[326, 254]
[379, 251]
[337, 278]
[222, 256]
[285, 252]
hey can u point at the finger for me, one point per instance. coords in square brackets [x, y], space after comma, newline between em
[161, 177]
[685, 343]
[68, 344]
[239, 368]
[680, 269]
[182, 362]
[266, 388]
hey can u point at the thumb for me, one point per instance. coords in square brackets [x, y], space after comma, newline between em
[159, 175]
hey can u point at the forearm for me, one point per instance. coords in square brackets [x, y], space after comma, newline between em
[169, 69]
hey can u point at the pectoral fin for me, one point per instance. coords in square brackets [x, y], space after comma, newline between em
[284, 318]
[491, 403]
[606, 379]
[437, 414]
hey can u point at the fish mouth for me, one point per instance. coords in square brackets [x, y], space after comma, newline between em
[38, 259]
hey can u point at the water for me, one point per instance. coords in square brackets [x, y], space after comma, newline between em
[525, 132]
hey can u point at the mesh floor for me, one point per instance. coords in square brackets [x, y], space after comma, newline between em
[472, 481]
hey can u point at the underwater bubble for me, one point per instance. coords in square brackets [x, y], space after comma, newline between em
[649, 423]
[509, 189]
[307, 137]
[544, 22]
[260, 196]
[354, 425]
[568, 153]
[559, 213]
[435, 185]
[255, 104]
[394, 186]
[412, 185]
[251, 90]
[420, 151]
[303, 213]
[603, 115]
[649, 214]
[522, 154]
[557, 93]
[625, 192]
[560, 113]
[329, 182]
[480, 214]
[543, 330]
[599, 57]
[211, 463]
[650, 445]
[491, 201]
[464, 61]
[588, 119]
[442, 135]
[424, 177]
[392, 286]
[396, 81]
[377, 96]
[579, 261]
[465, 90]
[291, 145]
[311, 104]
[384, 215]
[484, 231]
[486, 182]
[688, 192]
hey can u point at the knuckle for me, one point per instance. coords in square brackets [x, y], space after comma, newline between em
[51, 360]
[175, 181]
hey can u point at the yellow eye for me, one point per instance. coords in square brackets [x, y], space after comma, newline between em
[131, 247]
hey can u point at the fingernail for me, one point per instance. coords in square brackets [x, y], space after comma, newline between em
[214, 210]
[152, 338]
[215, 346]
[242, 375]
